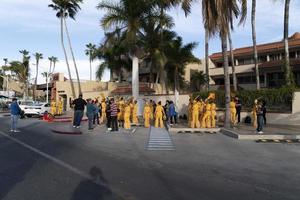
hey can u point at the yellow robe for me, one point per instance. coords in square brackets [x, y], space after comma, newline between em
[53, 108]
[127, 112]
[206, 120]
[103, 112]
[147, 116]
[213, 115]
[195, 116]
[159, 116]
[135, 119]
[232, 112]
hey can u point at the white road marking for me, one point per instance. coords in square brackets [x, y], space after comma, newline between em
[49, 157]
[159, 140]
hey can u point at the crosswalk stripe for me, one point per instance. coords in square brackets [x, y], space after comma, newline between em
[159, 140]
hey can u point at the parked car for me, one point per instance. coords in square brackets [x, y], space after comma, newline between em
[24, 104]
[37, 109]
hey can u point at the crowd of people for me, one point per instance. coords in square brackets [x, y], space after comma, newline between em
[122, 113]
[202, 113]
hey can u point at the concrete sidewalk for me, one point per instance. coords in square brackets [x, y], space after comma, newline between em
[270, 132]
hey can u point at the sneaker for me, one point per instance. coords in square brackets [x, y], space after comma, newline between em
[74, 126]
[17, 131]
[77, 126]
[11, 130]
[260, 132]
[90, 129]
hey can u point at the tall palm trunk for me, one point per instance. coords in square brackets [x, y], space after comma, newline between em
[232, 61]
[176, 86]
[90, 69]
[53, 67]
[35, 80]
[288, 72]
[254, 43]
[206, 57]
[135, 77]
[73, 57]
[66, 56]
[226, 79]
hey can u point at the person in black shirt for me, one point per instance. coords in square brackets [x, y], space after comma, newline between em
[264, 108]
[79, 105]
[238, 107]
[260, 119]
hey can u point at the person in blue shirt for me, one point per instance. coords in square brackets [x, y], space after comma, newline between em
[15, 112]
[172, 113]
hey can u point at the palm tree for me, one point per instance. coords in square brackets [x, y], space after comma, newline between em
[90, 51]
[25, 54]
[63, 10]
[232, 61]
[54, 61]
[198, 79]
[288, 73]
[165, 5]
[22, 73]
[128, 15]
[5, 61]
[206, 57]
[179, 56]
[218, 16]
[253, 16]
[75, 7]
[37, 56]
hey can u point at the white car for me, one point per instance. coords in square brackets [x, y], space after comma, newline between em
[36, 109]
[24, 104]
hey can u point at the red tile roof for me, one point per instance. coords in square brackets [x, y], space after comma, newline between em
[127, 89]
[276, 63]
[294, 41]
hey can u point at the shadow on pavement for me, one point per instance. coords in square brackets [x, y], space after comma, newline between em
[96, 188]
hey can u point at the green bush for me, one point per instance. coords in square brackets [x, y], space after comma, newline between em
[277, 100]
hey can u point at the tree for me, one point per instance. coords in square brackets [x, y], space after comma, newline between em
[179, 56]
[206, 57]
[218, 16]
[288, 72]
[25, 63]
[232, 61]
[63, 10]
[198, 79]
[253, 22]
[54, 61]
[90, 51]
[128, 15]
[5, 61]
[37, 56]
[22, 73]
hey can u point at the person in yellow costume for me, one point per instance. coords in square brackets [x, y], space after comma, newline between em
[254, 114]
[60, 107]
[121, 105]
[147, 115]
[206, 120]
[213, 114]
[190, 113]
[53, 107]
[195, 115]
[159, 114]
[127, 112]
[232, 112]
[103, 111]
[135, 119]
[201, 105]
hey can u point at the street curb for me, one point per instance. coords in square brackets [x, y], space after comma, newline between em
[194, 130]
[236, 135]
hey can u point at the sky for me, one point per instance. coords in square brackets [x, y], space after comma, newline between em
[31, 25]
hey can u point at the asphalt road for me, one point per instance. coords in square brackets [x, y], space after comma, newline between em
[37, 164]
